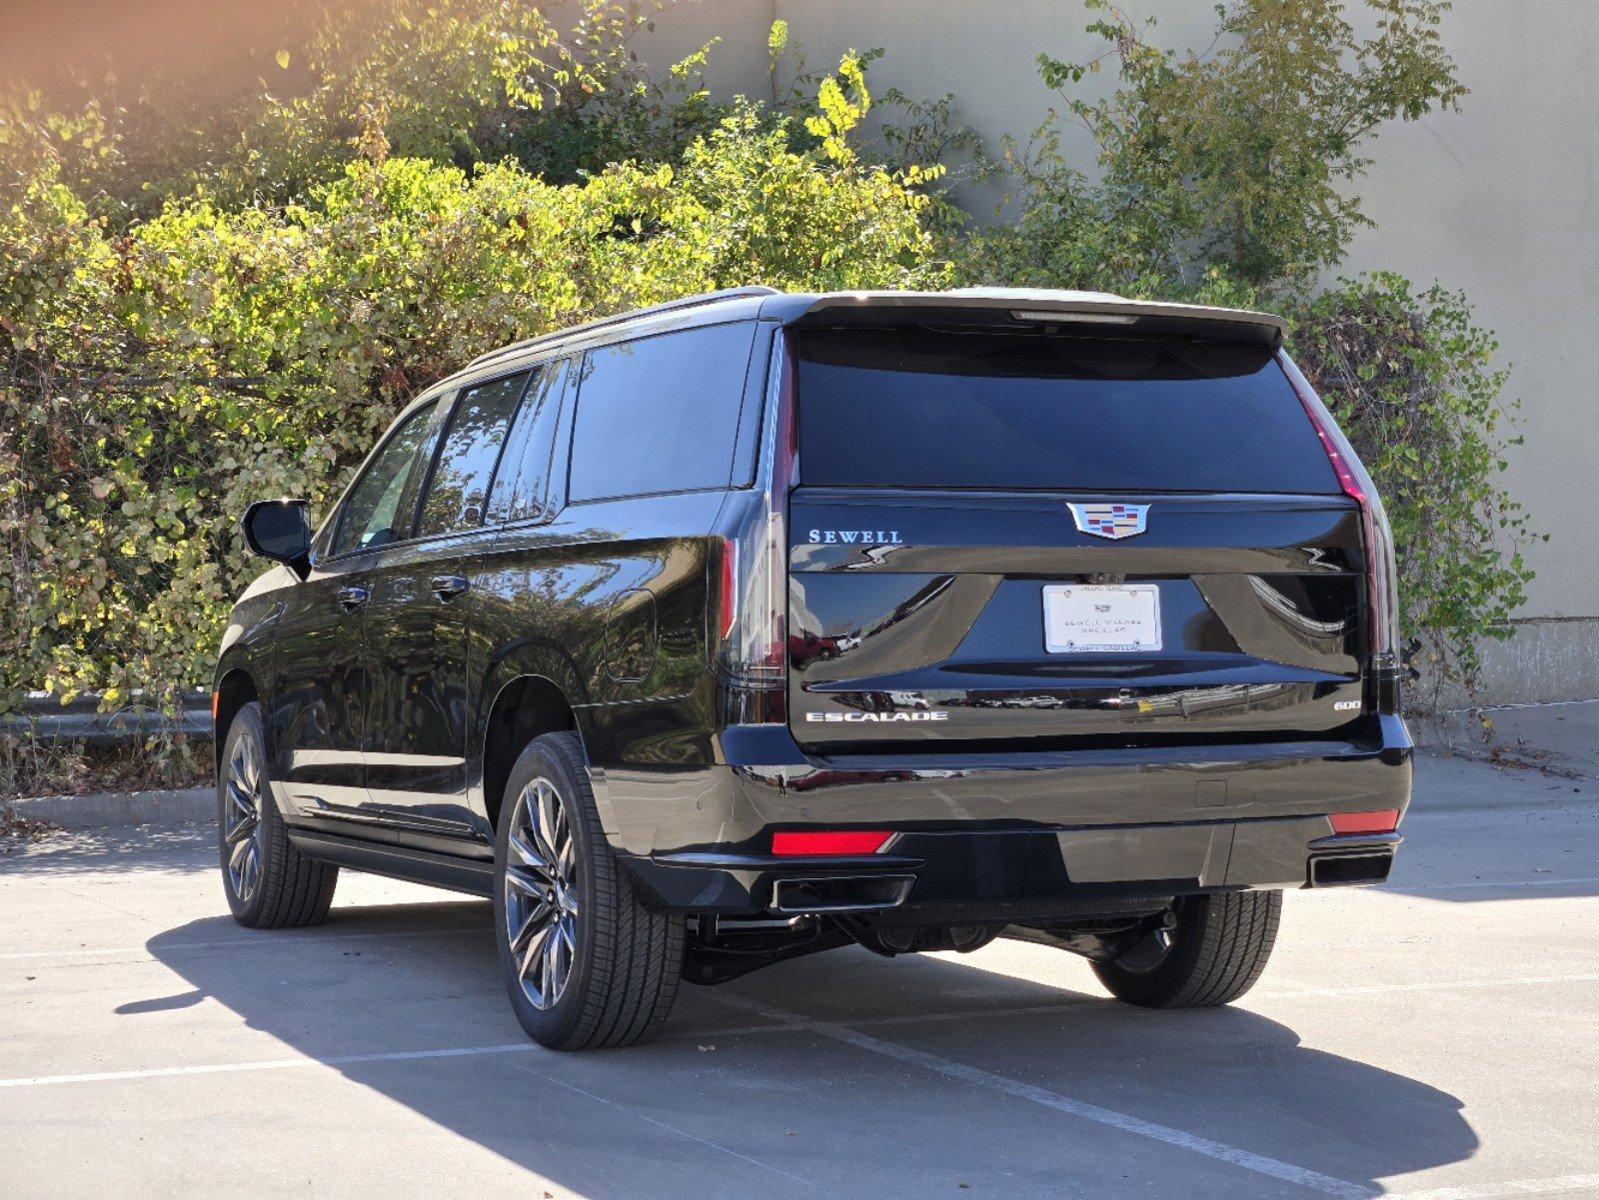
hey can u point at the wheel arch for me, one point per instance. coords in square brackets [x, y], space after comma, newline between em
[234, 689]
[524, 708]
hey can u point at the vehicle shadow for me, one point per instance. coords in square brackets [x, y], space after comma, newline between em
[1226, 1074]
[382, 982]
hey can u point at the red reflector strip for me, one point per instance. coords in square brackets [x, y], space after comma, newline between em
[1382, 820]
[830, 841]
[729, 597]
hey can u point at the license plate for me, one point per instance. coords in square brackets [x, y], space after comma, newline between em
[1101, 618]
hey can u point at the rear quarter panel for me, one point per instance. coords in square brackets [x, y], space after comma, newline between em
[608, 602]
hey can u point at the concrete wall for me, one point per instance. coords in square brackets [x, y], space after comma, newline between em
[1498, 199]
[1502, 199]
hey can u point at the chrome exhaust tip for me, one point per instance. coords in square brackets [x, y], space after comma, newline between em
[841, 893]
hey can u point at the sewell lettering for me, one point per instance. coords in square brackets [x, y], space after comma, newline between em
[854, 537]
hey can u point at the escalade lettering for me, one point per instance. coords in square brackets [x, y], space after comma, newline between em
[831, 717]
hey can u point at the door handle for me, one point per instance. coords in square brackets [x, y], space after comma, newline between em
[351, 598]
[447, 587]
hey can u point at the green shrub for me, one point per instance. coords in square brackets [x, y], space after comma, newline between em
[158, 375]
[1412, 380]
[1235, 164]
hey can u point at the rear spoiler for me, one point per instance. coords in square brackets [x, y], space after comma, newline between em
[1015, 307]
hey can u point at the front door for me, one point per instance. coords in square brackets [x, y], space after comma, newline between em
[320, 694]
[318, 708]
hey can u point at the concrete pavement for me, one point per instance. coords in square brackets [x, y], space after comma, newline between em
[1435, 1038]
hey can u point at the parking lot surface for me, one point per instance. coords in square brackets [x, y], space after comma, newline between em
[1437, 1038]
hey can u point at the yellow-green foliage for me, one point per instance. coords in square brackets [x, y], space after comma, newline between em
[158, 374]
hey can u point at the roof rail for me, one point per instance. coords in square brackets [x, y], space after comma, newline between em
[754, 289]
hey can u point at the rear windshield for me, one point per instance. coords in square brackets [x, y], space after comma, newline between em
[960, 408]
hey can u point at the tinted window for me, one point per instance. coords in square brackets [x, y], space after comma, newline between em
[458, 489]
[929, 407]
[378, 508]
[521, 485]
[659, 414]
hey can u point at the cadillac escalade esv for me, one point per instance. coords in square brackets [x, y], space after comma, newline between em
[756, 624]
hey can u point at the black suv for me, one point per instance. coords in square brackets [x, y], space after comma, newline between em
[756, 624]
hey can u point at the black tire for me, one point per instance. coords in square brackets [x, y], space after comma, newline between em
[283, 889]
[622, 977]
[1218, 950]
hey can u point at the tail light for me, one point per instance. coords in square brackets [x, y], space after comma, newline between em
[1382, 591]
[750, 643]
[752, 616]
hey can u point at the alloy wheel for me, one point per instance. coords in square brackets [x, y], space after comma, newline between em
[541, 893]
[241, 832]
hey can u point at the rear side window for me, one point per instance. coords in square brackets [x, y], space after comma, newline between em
[963, 408]
[458, 489]
[521, 484]
[659, 414]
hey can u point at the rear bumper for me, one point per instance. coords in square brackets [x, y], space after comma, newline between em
[1005, 837]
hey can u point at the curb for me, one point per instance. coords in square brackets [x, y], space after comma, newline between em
[120, 808]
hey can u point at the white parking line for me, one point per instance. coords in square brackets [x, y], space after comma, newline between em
[1327, 1185]
[267, 1064]
[784, 1022]
[790, 1022]
[1275, 1168]
[1588, 1184]
[804, 1025]
[693, 1137]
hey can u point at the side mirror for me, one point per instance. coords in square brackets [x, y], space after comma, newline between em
[280, 530]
